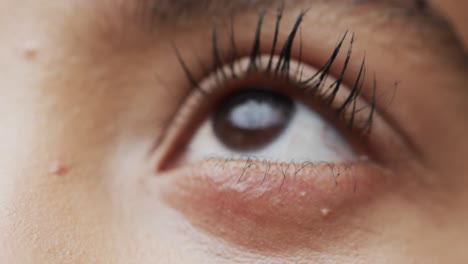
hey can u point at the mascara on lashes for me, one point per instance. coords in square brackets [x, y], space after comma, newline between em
[313, 86]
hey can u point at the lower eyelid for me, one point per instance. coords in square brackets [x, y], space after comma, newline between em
[268, 202]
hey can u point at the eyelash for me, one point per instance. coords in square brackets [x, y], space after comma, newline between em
[313, 86]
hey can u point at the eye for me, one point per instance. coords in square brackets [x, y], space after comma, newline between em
[278, 118]
[272, 107]
[268, 141]
[266, 124]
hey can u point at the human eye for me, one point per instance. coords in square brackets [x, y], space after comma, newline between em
[274, 107]
[267, 132]
[266, 109]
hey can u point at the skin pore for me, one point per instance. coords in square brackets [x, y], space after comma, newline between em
[90, 89]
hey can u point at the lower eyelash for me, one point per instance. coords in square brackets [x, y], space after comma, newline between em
[274, 176]
[312, 86]
[290, 169]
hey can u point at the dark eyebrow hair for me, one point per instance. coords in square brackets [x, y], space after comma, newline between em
[173, 11]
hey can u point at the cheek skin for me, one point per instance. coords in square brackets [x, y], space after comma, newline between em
[55, 139]
[47, 214]
[260, 218]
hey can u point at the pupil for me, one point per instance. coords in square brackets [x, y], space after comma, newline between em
[250, 120]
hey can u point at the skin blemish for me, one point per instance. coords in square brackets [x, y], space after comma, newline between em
[30, 51]
[325, 212]
[57, 168]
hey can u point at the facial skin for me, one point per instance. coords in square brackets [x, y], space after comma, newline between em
[89, 89]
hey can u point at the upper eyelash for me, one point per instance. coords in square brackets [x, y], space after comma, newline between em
[313, 85]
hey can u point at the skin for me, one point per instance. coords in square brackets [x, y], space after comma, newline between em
[87, 97]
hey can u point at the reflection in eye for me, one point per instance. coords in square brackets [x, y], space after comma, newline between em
[250, 120]
[273, 106]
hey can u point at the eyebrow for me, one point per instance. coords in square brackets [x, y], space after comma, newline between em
[169, 9]
[173, 10]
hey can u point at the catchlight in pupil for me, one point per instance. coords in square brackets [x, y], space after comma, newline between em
[252, 119]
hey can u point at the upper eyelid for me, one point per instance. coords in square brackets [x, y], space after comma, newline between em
[285, 53]
[282, 66]
[218, 59]
[368, 94]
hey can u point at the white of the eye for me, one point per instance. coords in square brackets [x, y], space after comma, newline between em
[308, 137]
[264, 116]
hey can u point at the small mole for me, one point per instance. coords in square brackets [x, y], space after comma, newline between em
[30, 51]
[57, 168]
[325, 212]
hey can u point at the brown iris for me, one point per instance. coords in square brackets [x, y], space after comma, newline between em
[250, 120]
